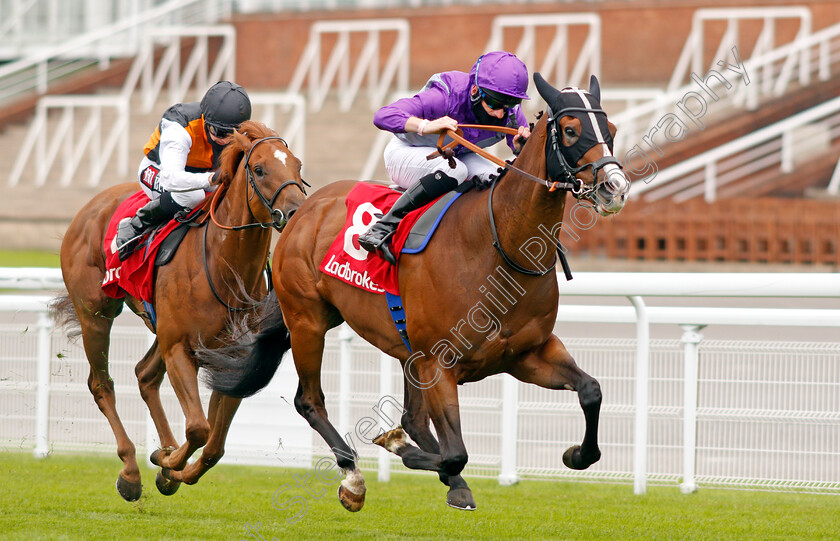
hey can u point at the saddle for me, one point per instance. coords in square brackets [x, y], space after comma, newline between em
[135, 275]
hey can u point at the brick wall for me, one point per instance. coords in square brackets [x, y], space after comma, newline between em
[641, 40]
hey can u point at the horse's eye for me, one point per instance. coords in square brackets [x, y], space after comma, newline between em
[570, 132]
[258, 170]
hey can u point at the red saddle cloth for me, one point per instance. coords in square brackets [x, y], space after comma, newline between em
[348, 261]
[136, 275]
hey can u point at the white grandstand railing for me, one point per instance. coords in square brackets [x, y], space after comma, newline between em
[196, 71]
[692, 57]
[38, 69]
[771, 74]
[785, 143]
[374, 157]
[45, 141]
[292, 109]
[31, 26]
[393, 77]
[554, 66]
[833, 187]
[512, 403]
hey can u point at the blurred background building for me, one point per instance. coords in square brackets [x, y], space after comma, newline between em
[728, 114]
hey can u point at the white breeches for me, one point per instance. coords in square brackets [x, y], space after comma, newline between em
[406, 164]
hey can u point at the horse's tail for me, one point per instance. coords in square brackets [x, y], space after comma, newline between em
[64, 315]
[245, 366]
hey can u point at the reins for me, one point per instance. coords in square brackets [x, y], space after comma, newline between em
[266, 272]
[214, 202]
[457, 137]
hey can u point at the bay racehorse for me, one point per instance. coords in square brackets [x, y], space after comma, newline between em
[453, 341]
[218, 270]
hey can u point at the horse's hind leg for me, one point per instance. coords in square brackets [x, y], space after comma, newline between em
[220, 414]
[96, 329]
[551, 366]
[308, 350]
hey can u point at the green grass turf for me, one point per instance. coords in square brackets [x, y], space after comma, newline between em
[73, 497]
[28, 258]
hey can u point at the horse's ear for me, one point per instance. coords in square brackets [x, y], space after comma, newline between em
[548, 92]
[612, 128]
[595, 88]
[242, 140]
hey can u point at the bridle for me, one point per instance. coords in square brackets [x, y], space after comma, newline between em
[568, 177]
[278, 218]
[568, 173]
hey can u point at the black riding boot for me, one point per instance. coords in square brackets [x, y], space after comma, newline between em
[425, 191]
[131, 230]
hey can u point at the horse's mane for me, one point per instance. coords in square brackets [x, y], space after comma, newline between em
[235, 150]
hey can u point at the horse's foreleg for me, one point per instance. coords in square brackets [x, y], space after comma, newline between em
[96, 330]
[307, 350]
[442, 402]
[415, 421]
[551, 366]
[183, 376]
[220, 414]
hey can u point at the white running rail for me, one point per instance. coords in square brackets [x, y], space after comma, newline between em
[392, 77]
[748, 411]
[784, 143]
[103, 136]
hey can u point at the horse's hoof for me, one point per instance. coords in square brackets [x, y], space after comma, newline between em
[129, 491]
[393, 440]
[460, 498]
[351, 502]
[158, 455]
[165, 485]
[574, 459]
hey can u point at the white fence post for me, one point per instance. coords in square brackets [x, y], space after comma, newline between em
[42, 427]
[385, 389]
[345, 365]
[510, 430]
[152, 438]
[691, 338]
[642, 373]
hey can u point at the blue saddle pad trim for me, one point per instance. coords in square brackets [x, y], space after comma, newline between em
[395, 307]
[425, 227]
[152, 315]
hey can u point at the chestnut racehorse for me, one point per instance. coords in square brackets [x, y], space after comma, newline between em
[478, 241]
[217, 270]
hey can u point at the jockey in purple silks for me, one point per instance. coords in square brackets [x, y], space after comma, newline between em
[489, 95]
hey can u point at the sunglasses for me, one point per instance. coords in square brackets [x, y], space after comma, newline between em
[495, 104]
[221, 133]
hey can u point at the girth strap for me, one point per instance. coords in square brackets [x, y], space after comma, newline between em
[395, 307]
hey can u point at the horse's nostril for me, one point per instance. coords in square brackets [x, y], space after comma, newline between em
[290, 214]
